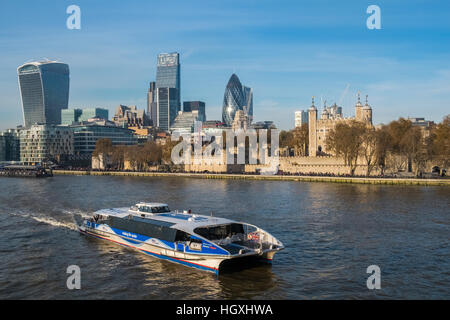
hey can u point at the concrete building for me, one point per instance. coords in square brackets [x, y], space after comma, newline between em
[213, 127]
[241, 121]
[45, 143]
[263, 125]
[185, 122]
[421, 122]
[424, 125]
[130, 117]
[301, 117]
[330, 116]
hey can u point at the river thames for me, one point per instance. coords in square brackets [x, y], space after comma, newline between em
[332, 233]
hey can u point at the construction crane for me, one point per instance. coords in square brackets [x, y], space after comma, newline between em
[343, 94]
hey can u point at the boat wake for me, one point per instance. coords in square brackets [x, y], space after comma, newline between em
[55, 223]
[75, 216]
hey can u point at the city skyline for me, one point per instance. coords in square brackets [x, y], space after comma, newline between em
[316, 49]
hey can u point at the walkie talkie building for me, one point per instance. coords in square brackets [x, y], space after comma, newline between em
[44, 89]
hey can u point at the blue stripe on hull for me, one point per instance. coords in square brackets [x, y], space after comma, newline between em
[179, 261]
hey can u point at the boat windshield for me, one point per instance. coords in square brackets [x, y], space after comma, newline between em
[221, 232]
[151, 209]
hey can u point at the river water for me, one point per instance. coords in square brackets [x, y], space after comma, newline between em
[332, 233]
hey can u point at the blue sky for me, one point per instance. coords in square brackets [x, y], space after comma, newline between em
[287, 51]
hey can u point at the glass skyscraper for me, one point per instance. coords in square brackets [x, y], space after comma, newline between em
[151, 102]
[189, 106]
[44, 89]
[237, 97]
[167, 107]
[168, 101]
[248, 96]
[168, 72]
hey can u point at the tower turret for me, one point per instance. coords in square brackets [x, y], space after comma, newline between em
[312, 127]
[367, 111]
[358, 108]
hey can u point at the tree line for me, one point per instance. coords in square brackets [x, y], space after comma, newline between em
[399, 145]
[139, 157]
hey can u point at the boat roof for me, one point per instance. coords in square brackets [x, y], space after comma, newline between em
[151, 204]
[186, 222]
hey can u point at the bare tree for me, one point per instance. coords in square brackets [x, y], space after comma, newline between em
[439, 143]
[301, 139]
[345, 140]
[369, 148]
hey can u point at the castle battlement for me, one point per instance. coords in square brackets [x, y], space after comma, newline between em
[329, 118]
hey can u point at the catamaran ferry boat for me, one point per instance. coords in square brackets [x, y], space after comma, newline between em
[199, 241]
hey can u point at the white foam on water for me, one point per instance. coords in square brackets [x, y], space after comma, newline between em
[55, 223]
[52, 221]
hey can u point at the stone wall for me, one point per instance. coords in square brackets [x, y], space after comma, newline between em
[212, 165]
[314, 165]
[289, 165]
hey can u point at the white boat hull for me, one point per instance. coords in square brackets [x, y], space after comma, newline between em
[199, 261]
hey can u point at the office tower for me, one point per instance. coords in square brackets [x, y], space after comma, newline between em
[151, 102]
[167, 107]
[90, 113]
[3, 148]
[236, 97]
[189, 106]
[70, 116]
[248, 98]
[163, 97]
[87, 134]
[73, 116]
[301, 117]
[168, 73]
[44, 89]
[9, 145]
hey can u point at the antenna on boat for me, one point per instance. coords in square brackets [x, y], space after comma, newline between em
[211, 213]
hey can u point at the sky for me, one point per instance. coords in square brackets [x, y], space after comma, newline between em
[287, 51]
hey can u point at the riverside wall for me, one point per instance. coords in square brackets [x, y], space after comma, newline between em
[386, 181]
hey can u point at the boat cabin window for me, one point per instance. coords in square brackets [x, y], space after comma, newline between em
[220, 232]
[159, 209]
[182, 236]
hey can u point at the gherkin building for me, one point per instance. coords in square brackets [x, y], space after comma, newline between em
[237, 97]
